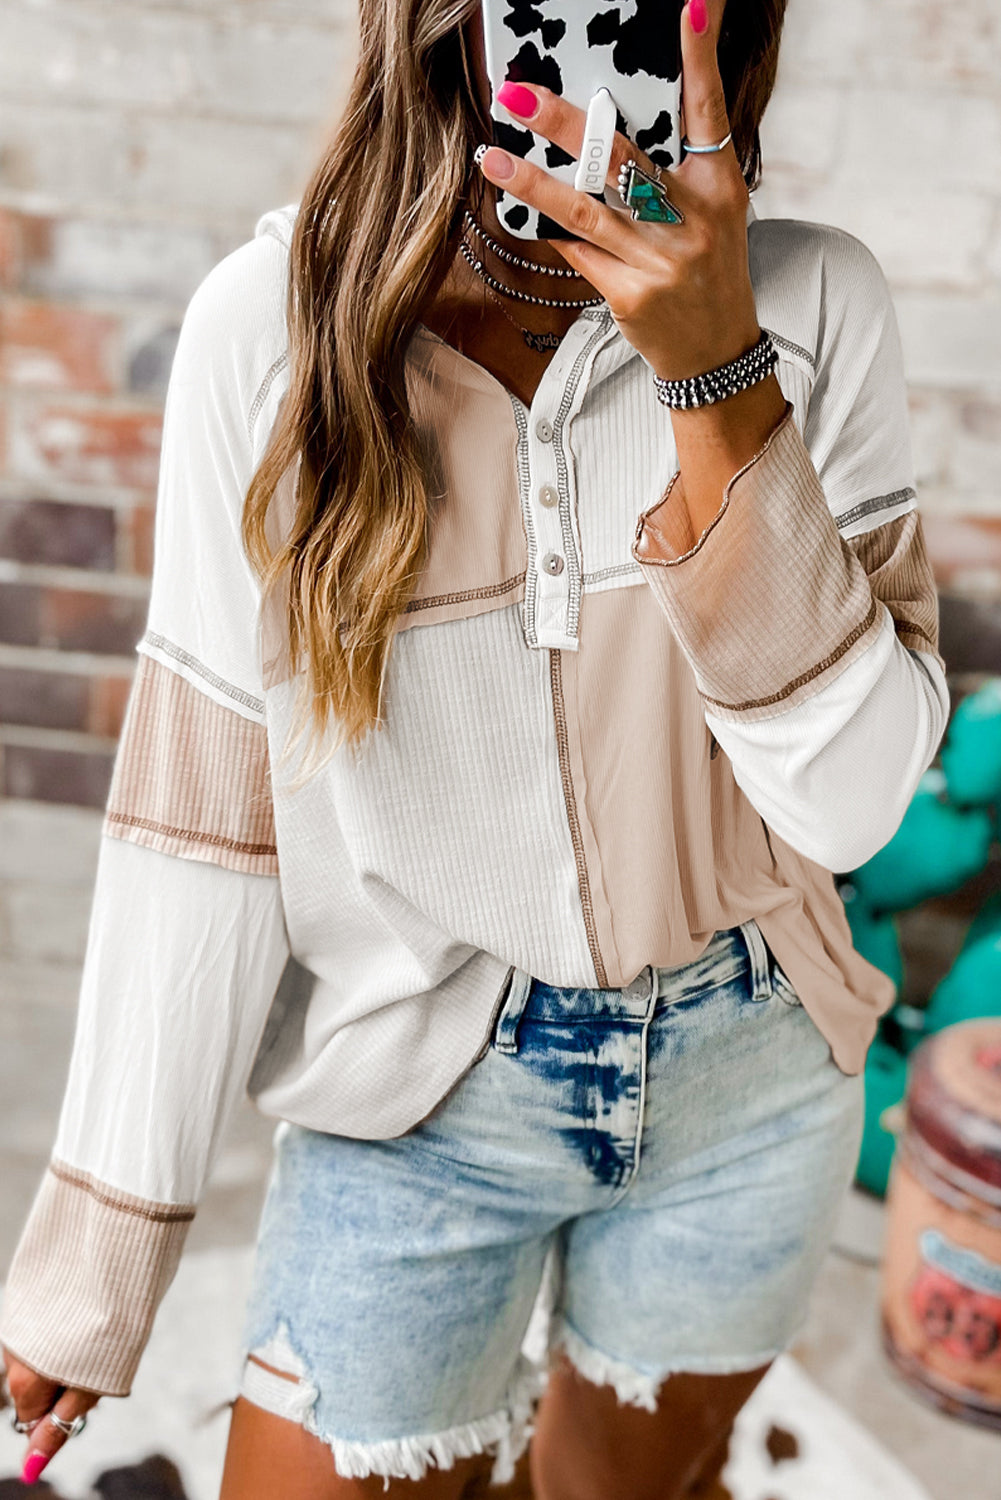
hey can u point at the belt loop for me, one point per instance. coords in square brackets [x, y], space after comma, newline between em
[506, 1030]
[758, 951]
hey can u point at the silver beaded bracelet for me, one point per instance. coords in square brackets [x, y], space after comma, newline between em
[728, 380]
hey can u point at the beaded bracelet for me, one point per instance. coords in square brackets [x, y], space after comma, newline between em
[728, 380]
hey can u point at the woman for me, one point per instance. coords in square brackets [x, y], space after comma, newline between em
[563, 709]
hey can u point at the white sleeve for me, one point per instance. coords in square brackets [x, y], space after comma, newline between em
[187, 941]
[807, 608]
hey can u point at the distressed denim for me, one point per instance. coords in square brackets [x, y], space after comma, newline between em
[655, 1170]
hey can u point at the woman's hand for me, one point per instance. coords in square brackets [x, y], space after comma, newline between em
[680, 293]
[35, 1399]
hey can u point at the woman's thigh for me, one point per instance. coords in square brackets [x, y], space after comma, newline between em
[588, 1445]
[271, 1458]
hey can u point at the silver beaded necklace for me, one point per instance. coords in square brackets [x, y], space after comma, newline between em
[502, 253]
[509, 291]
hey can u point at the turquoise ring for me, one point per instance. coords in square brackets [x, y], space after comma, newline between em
[644, 196]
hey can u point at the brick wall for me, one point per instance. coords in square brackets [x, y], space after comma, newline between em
[140, 139]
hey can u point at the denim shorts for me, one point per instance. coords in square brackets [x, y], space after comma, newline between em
[654, 1171]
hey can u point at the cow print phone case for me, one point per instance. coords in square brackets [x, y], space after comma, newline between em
[575, 47]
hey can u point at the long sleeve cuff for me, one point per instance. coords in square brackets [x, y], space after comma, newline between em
[769, 604]
[88, 1275]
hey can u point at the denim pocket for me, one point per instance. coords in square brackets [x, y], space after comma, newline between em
[783, 986]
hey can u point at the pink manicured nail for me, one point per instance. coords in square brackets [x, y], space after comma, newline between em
[698, 15]
[518, 99]
[33, 1466]
[497, 163]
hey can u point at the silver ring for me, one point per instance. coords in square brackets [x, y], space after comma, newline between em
[706, 150]
[23, 1427]
[70, 1428]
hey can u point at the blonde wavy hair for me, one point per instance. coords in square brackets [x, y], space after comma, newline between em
[376, 232]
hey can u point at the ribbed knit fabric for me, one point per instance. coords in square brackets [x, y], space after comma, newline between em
[777, 567]
[193, 778]
[96, 1305]
[603, 740]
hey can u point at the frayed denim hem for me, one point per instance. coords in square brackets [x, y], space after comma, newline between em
[504, 1433]
[634, 1387]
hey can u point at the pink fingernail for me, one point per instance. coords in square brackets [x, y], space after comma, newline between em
[33, 1466]
[698, 15]
[497, 163]
[518, 99]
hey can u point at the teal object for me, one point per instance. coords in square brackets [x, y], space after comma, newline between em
[885, 1086]
[877, 938]
[971, 755]
[986, 922]
[936, 849]
[971, 991]
[648, 200]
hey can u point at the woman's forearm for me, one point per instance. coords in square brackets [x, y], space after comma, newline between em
[714, 443]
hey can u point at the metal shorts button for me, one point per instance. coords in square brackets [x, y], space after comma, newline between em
[544, 431]
[553, 563]
[549, 495]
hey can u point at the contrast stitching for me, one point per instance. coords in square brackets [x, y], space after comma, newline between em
[816, 671]
[181, 1215]
[563, 473]
[563, 751]
[191, 835]
[490, 591]
[531, 634]
[791, 348]
[263, 390]
[179, 654]
[879, 502]
[613, 572]
[908, 627]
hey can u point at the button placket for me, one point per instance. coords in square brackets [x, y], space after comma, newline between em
[550, 596]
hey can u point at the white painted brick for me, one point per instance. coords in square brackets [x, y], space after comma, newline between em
[97, 257]
[214, 168]
[47, 921]
[183, 62]
[801, 129]
[933, 423]
[915, 247]
[44, 842]
[951, 342]
[976, 457]
[924, 141]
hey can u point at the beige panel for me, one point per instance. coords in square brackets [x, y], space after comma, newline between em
[478, 552]
[769, 598]
[673, 856]
[191, 778]
[88, 1274]
[899, 572]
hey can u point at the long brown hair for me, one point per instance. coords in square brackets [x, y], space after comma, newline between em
[375, 234]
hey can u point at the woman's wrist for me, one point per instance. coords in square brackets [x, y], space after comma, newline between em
[715, 442]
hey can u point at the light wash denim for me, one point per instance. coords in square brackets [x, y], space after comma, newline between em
[654, 1169]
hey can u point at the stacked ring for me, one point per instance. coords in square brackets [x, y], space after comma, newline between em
[69, 1428]
[644, 195]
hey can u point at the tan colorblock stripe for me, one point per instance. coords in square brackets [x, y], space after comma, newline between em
[191, 778]
[674, 849]
[769, 599]
[647, 789]
[572, 779]
[89, 1272]
[478, 551]
[900, 575]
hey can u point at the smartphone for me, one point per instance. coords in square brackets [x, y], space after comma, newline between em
[632, 48]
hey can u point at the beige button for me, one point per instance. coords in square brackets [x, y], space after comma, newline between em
[544, 431]
[553, 563]
[549, 495]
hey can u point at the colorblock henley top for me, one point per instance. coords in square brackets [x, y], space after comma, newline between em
[601, 745]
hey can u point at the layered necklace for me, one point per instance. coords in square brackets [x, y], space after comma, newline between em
[539, 342]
